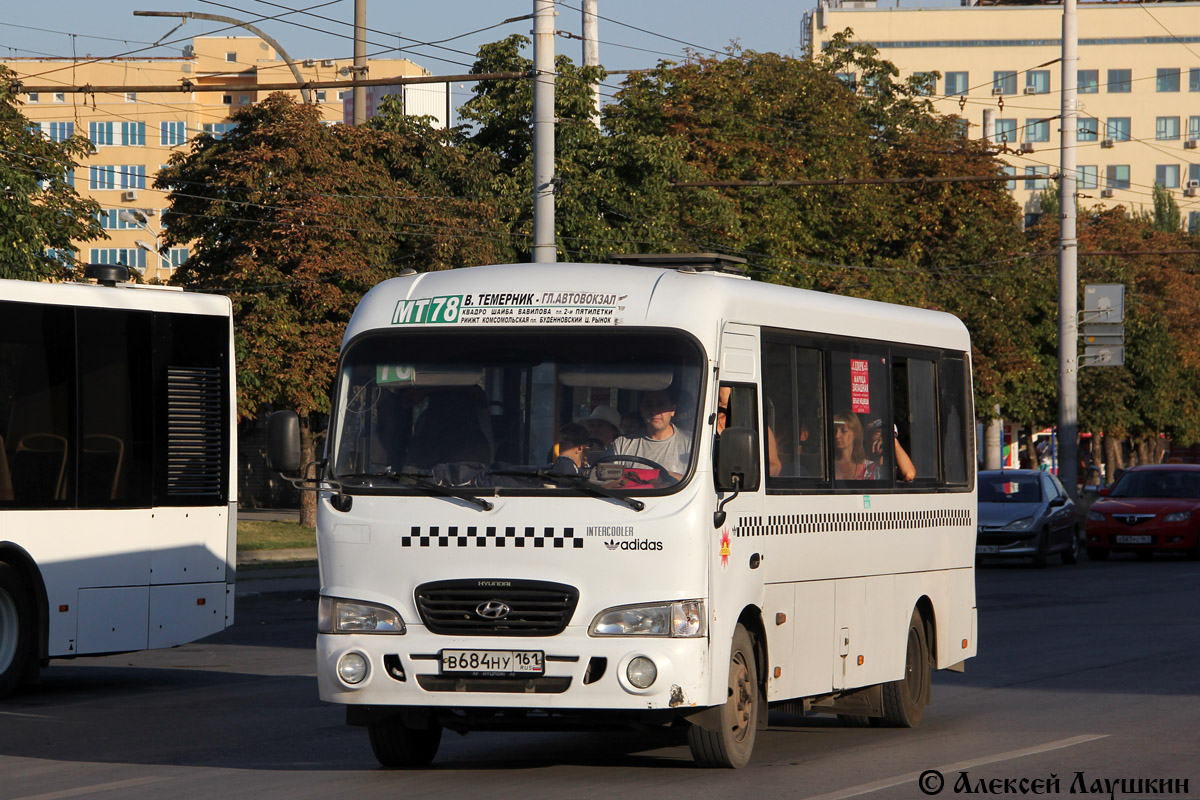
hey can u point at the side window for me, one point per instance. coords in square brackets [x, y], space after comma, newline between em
[794, 390]
[737, 407]
[955, 414]
[915, 397]
[37, 406]
[860, 406]
[116, 448]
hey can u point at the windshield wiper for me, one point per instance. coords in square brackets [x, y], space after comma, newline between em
[576, 482]
[421, 482]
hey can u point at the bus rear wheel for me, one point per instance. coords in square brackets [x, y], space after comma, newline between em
[904, 700]
[16, 630]
[731, 744]
[398, 745]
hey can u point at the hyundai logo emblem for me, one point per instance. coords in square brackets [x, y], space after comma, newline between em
[493, 609]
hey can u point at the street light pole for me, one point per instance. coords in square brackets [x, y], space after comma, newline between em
[139, 218]
[1068, 265]
[544, 250]
[304, 91]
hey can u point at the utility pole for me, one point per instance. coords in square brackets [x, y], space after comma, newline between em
[543, 132]
[1068, 264]
[993, 438]
[359, 96]
[591, 51]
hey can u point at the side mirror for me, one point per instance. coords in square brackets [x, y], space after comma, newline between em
[1058, 501]
[1105, 491]
[283, 442]
[737, 460]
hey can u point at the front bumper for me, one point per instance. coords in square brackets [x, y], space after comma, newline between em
[1016, 544]
[1124, 538]
[581, 672]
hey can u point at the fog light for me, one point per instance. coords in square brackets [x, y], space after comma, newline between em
[352, 668]
[641, 672]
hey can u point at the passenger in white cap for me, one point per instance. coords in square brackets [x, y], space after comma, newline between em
[603, 425]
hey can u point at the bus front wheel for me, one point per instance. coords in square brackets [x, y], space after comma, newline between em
[732, 742]
[16, 630]
[904, 700]
[398, 745]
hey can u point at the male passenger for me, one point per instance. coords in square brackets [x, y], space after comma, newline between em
[661, 442]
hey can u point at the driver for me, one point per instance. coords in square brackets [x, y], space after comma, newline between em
[660, 442]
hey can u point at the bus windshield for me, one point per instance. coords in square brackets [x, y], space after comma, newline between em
[601, 412]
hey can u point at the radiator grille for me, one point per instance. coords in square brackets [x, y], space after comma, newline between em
[195, 421]
[535, 608]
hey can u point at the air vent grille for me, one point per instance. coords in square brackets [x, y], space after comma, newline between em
[195, 416]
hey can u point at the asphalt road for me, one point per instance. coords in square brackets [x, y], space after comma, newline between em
[1088, 670]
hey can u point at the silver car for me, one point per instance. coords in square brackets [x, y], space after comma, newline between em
[1024, 513]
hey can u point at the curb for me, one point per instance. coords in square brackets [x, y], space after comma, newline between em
[251, 558]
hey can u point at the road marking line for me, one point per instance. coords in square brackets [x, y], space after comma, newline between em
[24, 716]
[99, 787]
[909, 777]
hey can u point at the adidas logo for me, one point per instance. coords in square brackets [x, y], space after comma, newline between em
[636, 544]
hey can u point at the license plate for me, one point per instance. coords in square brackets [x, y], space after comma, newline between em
[986, 549]
[1135, 539]
[494, 662]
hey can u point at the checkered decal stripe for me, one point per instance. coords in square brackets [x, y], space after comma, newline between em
[491, 536]
[785, 524]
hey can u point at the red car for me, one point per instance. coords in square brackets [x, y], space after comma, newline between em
[1149, 509]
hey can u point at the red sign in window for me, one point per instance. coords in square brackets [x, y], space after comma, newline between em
[860, 386]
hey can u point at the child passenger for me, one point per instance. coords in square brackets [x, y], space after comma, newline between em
[572, 440]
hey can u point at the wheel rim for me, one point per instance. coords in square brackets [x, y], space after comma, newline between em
[8, 630]
[912, 666]
[741, 685]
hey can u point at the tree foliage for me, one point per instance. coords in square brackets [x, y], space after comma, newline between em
[39, 208]
[295, 221]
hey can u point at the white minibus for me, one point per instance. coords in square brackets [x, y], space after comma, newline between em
[579, 495]
[117, 490]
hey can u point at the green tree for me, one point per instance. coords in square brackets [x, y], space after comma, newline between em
[296, 220]
[39, 208]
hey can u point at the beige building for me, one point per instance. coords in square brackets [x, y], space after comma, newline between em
[1138, 77]
[134, 133]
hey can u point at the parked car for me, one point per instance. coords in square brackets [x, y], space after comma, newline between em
[1025, 513]
[1150, 508]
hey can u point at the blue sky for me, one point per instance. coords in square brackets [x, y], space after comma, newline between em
[108, 27]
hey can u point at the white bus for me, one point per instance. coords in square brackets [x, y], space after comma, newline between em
[117, 491]
[471, 578]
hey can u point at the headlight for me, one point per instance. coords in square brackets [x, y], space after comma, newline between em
[335, 615]
[1095, 516]
[1178, 516]
[1022, 524]
[684, 619]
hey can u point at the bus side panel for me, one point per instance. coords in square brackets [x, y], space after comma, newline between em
[113, 620]
[867, 633]
[185, 612]
[199, 539]
[809, 665]
[779, 616]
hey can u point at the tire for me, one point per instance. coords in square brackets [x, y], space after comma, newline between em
[17, 660]
[1071, 554]
[733, 742]
[1097, 554]
[1043, 550]
[904, 700]
[396, 745]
